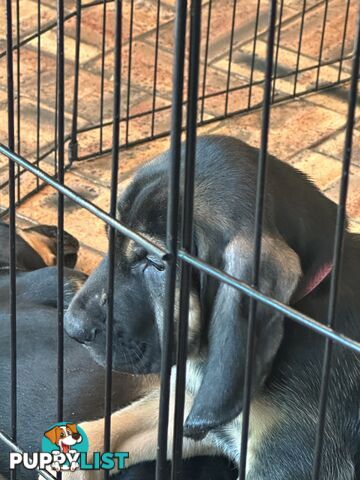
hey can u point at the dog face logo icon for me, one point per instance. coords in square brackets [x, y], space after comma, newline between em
[65, 441]
[65, 447]
[65, 436]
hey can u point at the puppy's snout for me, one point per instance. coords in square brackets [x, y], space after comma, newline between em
[83, 321]
[78, 332]
[76, 436]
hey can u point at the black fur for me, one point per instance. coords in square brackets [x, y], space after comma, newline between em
[298, 232]
[199, 468]
[37, 364]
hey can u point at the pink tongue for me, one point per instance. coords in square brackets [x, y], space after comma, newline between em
[66, 448]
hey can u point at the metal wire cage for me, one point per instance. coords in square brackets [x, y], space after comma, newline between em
[191, 87]
[230, 83]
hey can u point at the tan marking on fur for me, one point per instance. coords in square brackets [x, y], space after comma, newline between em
[39, 243]
[194, 322]
[134, 429]
[263, 417]
[129, 249]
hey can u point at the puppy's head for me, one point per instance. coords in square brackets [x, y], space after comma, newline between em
[64, 436]
[224, 207]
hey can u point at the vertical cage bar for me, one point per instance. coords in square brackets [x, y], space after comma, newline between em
[187, 234]
[56, 124]
[60, 229]
[228, 80]
[338, 248]
[259, 209]
[73, 144]
[344, 39]
[322, 44]
[252, 68]
[277, 48]
[38, 88]
[301, 33]
[12, 224]
[156, 60]
[102, 77]
[171, 236]
[128, 97]
[206, 56]
[18, 92]
[112, 231]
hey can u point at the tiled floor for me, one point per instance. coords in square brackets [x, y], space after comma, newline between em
[308, 132]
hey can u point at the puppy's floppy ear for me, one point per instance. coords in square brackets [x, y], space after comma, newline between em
[72, 427]
[52, 435]
[219, 399]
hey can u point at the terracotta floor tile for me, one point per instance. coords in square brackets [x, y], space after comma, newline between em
[294, 127]
[28, 69]
[321, 169]
[238, 100]
[69, 5]
[286, 64]
[87, 228]
[354, 226]
[142, 73]
[220, 27]
[28, 182]
[144, 19]
[28, 18]
[99, 170]
[89, 142]
[335, 99]
[298, 4]
[353, 201]
[313, 27]
[89, 259]
[334, 146]
[49, 45]
[28, 127]
[3, 99]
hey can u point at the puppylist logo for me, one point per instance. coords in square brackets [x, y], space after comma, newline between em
[65, 447]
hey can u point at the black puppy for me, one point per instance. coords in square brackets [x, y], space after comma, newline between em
[37, 343]
[36, 248]
[37, 356]
[297, 246]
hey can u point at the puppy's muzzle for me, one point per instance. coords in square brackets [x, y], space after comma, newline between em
[84, 322]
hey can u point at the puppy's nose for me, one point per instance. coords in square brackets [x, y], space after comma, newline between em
[79, 332]
[76, 436]
[83, 336]
[80, 329]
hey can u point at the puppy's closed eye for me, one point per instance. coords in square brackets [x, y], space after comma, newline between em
[144, 260]
[154, 262]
